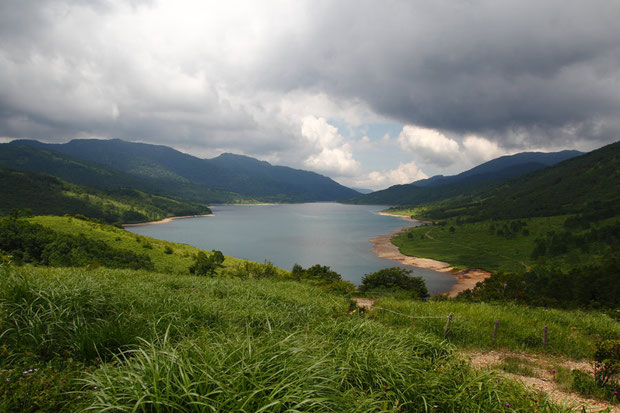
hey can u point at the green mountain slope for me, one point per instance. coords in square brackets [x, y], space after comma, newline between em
[588, 184]
[479, 178]
[35, 158]
[228, 172]
[48, 195]
[503, 167]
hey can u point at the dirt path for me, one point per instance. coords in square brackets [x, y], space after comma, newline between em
[364, 302]
[542, 377]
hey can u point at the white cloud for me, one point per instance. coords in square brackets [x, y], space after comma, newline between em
[478, 150]
[404, 174]
[433, 146]
[331, 154]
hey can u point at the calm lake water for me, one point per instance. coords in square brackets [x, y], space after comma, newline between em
[317, 233]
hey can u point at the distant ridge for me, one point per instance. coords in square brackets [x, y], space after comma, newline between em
[178, 174]
[588, 184]
[483, 176]
[503, 167]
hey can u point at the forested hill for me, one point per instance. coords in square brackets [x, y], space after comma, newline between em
[502, 167]
[481, 177]
[587, 185]
[41, 194]
[229, 173]
[35, 158]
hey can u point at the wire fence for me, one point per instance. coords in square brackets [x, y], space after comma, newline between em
[449, 318]
[409, 315]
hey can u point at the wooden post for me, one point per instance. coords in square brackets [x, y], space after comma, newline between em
[545, 338]
[448, 324]
[495, 330]
[412, 321]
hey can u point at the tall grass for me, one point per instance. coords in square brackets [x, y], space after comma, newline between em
[353, 365]
[571, 334]
[122, 340]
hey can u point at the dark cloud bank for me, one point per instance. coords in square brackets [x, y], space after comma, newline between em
[521, 73]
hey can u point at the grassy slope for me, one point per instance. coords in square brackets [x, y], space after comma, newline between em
[473, 245]
[123, 339]
[44, 194]
[176, 263]
[476, 245]
[587, 185]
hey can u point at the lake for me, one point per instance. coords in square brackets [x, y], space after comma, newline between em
[330, 234]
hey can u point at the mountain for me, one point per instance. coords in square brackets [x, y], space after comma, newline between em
[479, 178]
[502, 167]
[47, 195]
[228, 172]
[31, 156]
[588, 185]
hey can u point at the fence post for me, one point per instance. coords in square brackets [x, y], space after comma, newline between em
[545, 338]
[412, 321]
[448, 324]
[495, 330]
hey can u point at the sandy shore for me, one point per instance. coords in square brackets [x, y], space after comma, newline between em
[163, 221]
[403, 217]
[465, 279]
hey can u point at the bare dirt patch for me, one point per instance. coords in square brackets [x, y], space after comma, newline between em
[542, 367]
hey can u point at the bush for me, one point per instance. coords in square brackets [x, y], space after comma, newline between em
[582, 383]
[395, 279]
[339, 287]
[207, 265]
[253, 270]
[606, 361]
[318, 273]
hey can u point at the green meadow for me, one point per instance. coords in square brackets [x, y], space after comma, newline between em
[167, 257]
[497, 245]
[78, 339]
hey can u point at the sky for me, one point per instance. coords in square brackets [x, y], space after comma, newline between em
[370, 93]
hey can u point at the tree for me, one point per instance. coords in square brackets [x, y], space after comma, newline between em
[320, 273]
[395, 279]
[207, 265]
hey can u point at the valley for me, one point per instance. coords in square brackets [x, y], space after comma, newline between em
[100, 317]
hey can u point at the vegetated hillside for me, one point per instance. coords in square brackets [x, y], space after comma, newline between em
[480, 178]
[163, 256]
[134, 340]
[587, 185]
[233, 173]
[34, 157]
[412, 195]
[47, 195]
[550, 237]
[502, 167]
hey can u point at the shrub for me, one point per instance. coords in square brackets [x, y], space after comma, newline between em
[582, 383]
[253, 270]
[207, 265]
[606, 361]
[318, 273]
[395, 279]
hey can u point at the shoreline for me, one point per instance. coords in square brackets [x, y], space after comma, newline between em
[403, 217]
[465, 279]
[165, 220]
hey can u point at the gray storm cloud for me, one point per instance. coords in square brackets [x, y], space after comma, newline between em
[519, 73]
